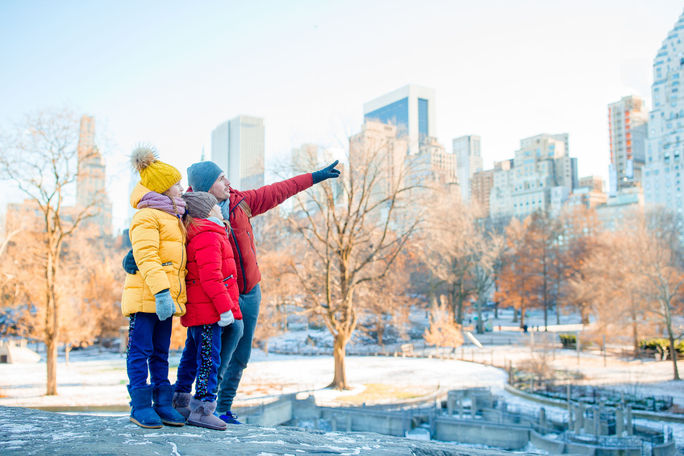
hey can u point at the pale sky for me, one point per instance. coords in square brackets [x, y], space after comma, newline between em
[169, 72]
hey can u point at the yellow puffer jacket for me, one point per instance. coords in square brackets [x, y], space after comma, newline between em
[159, 251]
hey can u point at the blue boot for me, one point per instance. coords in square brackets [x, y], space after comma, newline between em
[162, 405]
[142, 412]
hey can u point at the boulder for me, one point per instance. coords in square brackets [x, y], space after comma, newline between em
[33, 432]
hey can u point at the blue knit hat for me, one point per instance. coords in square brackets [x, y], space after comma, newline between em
[202, 175]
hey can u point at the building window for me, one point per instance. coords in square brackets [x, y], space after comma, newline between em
[422, 117]
[394, 114]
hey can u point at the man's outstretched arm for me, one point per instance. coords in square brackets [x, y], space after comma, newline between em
[267, 197]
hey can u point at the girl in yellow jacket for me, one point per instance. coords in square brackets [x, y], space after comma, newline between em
[156, 291]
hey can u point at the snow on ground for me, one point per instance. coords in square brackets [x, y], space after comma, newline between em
[93, 380]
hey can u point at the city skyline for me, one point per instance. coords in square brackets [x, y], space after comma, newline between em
[170, 75]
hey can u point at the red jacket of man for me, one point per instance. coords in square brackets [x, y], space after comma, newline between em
[258, 201]
[211, 281]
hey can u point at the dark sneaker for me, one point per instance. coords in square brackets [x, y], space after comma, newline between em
[229, 418]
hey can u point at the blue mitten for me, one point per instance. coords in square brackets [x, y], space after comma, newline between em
[226, 318]
[129, 263]
[165, 306]
[326, 173]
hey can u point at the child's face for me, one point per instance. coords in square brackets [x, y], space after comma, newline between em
[216, 212]
[175, 191]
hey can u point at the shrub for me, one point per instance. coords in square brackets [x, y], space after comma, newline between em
[568, 340]
[661, 347]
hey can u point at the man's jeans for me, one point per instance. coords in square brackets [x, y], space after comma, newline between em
[236, 347]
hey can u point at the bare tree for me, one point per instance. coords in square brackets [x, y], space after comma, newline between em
[452, 246]
[40, 157]
[516, 279]
[659, 266]
[543, 253]
[488, 254]
[354, 228]
[582, 232]
[387, 302]
[279, 290]
[90, 284]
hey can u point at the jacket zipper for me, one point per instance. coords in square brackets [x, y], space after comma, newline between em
[180, 284]
[237, 247]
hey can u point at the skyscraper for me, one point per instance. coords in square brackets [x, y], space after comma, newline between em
[481, 183]
[410, 108]
[468, 161]
[237, 146]
[665, 145]
[379, 153]
[91, 183]
[432, 167]
[542, 177]
[627, 121]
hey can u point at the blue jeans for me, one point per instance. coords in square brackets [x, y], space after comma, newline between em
[148, 348]
[200, 361]
[237, 348]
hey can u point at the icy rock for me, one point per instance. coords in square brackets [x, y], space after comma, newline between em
[34, 432]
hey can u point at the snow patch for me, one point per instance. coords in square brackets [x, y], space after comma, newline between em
[19, 428]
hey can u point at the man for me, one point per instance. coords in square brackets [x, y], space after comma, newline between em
[238, 207]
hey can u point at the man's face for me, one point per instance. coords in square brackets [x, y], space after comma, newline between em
[221, 188]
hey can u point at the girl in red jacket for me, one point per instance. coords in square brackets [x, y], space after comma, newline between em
[212, 292]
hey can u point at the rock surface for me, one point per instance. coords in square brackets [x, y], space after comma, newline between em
[33, 432]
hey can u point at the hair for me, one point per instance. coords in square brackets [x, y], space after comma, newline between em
[188, 221]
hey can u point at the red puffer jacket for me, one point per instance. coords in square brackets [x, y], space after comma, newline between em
[259, 201]
[211, 281]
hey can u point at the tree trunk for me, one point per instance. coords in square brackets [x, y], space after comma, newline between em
[515, 315]
[67, 350]
[557, 314]
[51, 326]
[522, 314]
[673, 355]
[339, 350]
[480, 325]
[380, 329]
[546, 317]
[51, 361]
[635, 331]
[459, 307]
[584, 312]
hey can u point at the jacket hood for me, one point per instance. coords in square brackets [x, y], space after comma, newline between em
[137, 194]
[201, 225]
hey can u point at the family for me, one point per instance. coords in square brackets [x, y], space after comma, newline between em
[194, 257]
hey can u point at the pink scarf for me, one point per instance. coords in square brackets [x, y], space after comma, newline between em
[156, 200]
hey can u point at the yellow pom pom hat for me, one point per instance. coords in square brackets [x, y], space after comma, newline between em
[154, 174]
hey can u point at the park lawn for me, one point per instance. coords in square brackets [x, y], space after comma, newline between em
[384, 393]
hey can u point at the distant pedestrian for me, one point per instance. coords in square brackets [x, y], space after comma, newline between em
[238, 207]
[212, 304]
[156, 290]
